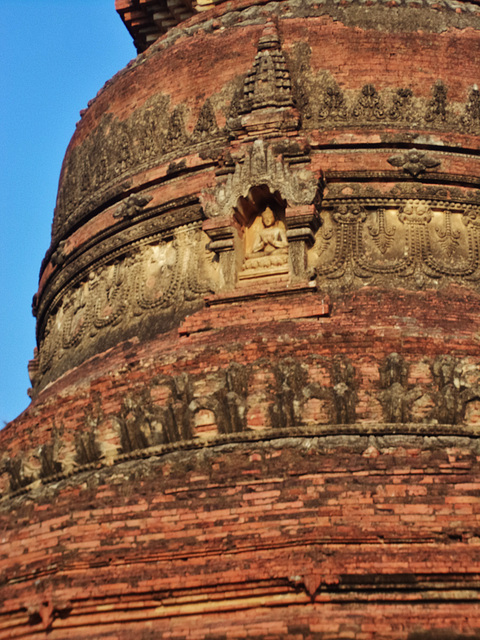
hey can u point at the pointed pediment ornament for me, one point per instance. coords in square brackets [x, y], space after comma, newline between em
[267, 101]
[260, 165]
[268, 82]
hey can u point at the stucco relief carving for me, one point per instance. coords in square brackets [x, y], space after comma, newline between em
[397, 395]
[118, 148]
[131, 206]
[50, 463]
[258, 164]
[437, 106]
[414, 162]
[156, 277]
[249, 241]
[368, 105]
[74, 316]
[323, 102]
[232, 399]
[407, 242]
[18, 473]
[365, 240]
[100, 166]
[246, 399]
[458, 385]
[87, 449]
[206, 126]
[471, 118]
[106, 286]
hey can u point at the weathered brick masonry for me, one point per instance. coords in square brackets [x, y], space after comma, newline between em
[256, 396]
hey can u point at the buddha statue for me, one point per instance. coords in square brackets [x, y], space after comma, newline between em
[271, 239]
[269, 246]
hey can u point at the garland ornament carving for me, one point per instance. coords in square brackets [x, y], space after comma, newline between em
[417, 239]
[382, 235]
[160, 277]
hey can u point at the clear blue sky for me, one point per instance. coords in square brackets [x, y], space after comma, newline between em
[55, 55]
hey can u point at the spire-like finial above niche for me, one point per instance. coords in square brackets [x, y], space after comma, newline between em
[267, 103]
[268, 82]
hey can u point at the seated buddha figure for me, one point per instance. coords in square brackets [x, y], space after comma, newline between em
[270, 245]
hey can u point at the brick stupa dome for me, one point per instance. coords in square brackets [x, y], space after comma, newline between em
[256, 398]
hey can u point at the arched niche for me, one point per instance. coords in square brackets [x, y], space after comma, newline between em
[258, 198]
[237, 222]
[264, 247]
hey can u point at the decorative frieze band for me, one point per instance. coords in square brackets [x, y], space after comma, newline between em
[287, 397]
[162, 274]
[340, 243]
[99, 168]
[416, 241]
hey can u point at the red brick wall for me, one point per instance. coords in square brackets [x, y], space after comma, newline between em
[309, 328]
[341, 536]
[323, 479]
[310, 531]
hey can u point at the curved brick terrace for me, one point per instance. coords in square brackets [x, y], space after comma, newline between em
[256, 396]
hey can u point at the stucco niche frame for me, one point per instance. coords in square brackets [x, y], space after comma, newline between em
[255, 179]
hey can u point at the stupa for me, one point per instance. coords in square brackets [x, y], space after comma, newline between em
[256, 397]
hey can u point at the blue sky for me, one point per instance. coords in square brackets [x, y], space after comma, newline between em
[55, 55]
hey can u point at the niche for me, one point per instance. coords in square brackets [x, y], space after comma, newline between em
[265, 246]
